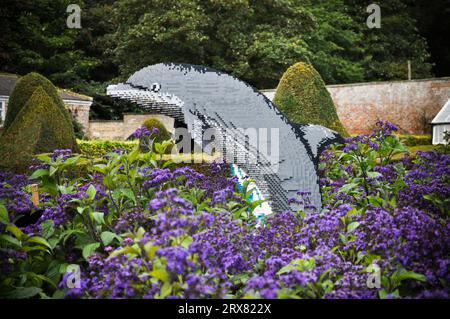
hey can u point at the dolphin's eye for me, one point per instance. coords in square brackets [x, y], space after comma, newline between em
[156, 87]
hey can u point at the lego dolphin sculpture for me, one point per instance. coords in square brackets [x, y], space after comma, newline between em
[282, 158]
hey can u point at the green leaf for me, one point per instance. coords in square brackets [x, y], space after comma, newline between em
[382, 294]
[404, 275]
[72, 160]
[124, 251]
[187, 242]
[352, 226]
[343, 238]
[89, 249]
[107, 237]
[285, 269]
[98, 217]
[133, 155]
[151, 250]
[40, 241]
[44, 158]
[91, 191]
[39, 173]
[23, 292]
[53, 270]
[47, 228]
[166, 290]
[11, 240]
[159, 148]
[160, 274]
[167, 163]
[35, 248]
[15, 230]
[52, 170]
[373, 174]
[348, 187]
[4, 217]
[128, 193]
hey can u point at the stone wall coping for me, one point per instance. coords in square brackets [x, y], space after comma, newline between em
[143, 114]
[105, 121]
[442, 79]
[78, 103]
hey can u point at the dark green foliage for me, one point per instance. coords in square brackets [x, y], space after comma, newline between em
[253, 40]
[40, 127]
[78, 129]
[36, 38]
[335, 48]
[302, 96]
[108, 108]
[433, 23]
[388, 49]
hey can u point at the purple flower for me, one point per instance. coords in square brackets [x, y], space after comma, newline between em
[156, 204]
[128, 241]
[141, 132]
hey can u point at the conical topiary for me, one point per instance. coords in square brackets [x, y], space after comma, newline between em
[39, 127]
[22, 92]
[303, 97]
[163, 134]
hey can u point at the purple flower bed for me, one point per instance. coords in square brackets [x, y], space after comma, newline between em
[136, 228]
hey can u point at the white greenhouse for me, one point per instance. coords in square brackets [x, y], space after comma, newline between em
[441, 123]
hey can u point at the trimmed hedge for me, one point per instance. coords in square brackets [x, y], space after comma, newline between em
[97, 148]
[22, 92]
[303, 97]
[416, 140]
[39, 127]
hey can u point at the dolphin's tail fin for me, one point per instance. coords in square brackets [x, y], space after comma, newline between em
[317, 138]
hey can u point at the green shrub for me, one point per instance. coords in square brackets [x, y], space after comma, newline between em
[302, 96]
[97, 148]
[416, 140]
[78, 129]
[22, 92]
[39, 127]
[161, 136]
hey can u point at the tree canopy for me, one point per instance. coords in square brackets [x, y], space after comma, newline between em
[253, 40]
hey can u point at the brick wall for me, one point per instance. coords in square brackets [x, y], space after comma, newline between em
[106, 130]
[121, 130]
[409, 104]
